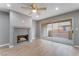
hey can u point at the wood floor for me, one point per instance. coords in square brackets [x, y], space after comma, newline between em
[40, 47]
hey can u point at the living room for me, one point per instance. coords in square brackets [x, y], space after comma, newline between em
[24, 29]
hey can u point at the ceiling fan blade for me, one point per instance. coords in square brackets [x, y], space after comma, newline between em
[38, 12]
[42, 8]
[34, 6]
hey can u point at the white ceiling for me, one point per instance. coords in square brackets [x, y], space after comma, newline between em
[51, 11]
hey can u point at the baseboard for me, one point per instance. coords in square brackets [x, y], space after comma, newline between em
[4, 45]
[76, 46]
[11, 46]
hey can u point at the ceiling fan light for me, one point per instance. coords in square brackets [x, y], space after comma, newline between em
[34, 11]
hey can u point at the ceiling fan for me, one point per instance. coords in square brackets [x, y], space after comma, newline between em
[35, 8]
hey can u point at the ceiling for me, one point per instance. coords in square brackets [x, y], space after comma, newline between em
[50, 12]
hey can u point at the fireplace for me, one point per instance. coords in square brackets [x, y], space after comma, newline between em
[21, 35]
[21, 38]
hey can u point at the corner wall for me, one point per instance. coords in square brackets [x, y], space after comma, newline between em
[33, 29]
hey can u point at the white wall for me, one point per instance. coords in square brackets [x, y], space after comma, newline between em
[17, 18]
[33, 29]
[4, 28]
[38, 27]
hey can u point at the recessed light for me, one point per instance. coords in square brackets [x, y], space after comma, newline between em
[8, 5]
[57, 8]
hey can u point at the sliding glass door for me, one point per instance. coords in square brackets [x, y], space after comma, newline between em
[61, 29]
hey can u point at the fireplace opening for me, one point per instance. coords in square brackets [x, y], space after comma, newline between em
[22, 38]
